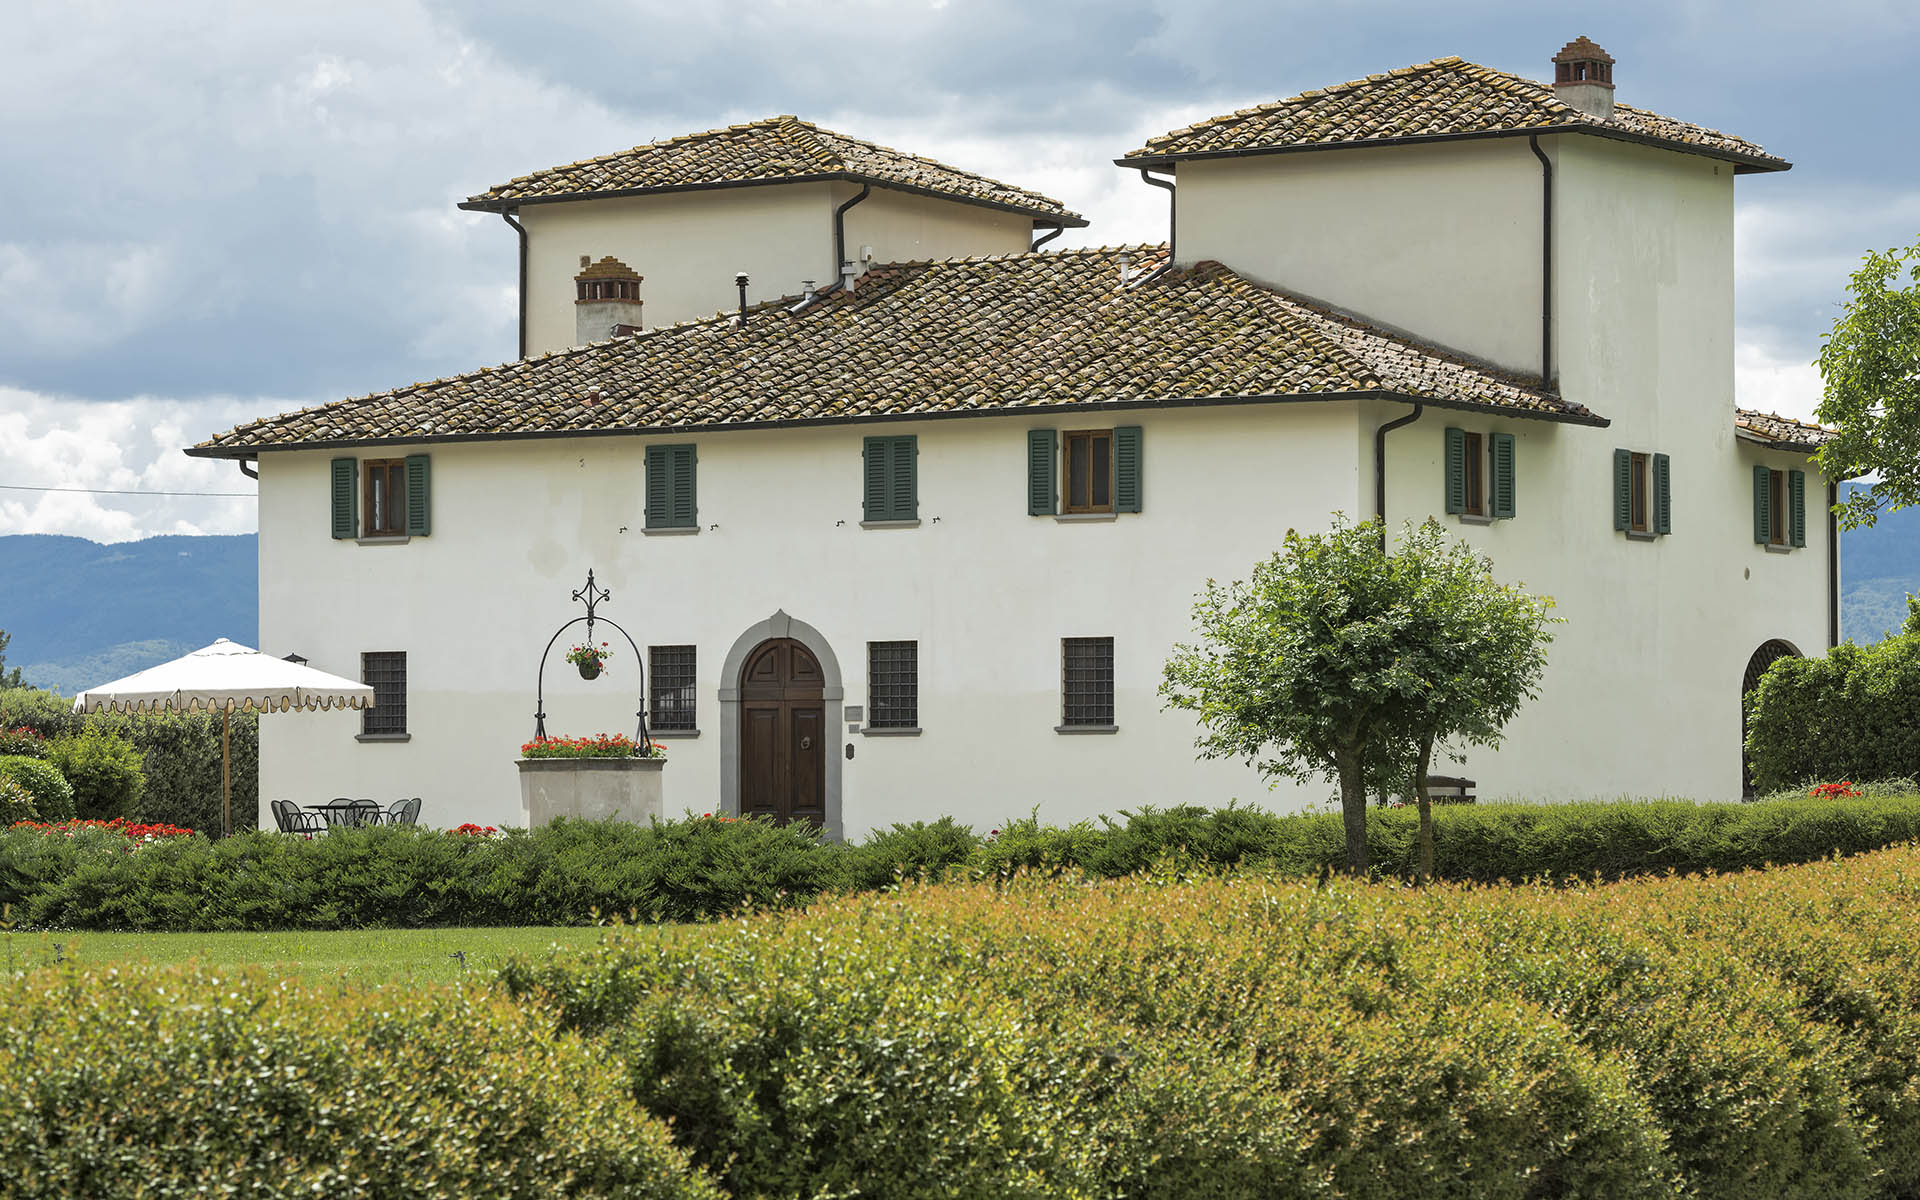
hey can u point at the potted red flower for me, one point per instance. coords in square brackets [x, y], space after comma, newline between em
[591, 659]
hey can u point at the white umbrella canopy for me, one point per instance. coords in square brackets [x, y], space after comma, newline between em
[221, 678]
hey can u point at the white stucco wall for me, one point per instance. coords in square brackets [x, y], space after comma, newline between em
[904, 227]
[689, 245]
[987, 590]
[1440, 240]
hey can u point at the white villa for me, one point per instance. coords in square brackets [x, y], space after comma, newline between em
[916, 538]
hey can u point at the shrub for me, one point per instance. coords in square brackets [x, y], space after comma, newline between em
[104, 769]
[1852, 714]
[176, 1084]
[16, 803]
[51, 793]
[23, 742]
[921, 850]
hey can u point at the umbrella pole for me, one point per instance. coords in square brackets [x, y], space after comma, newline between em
[226, 770]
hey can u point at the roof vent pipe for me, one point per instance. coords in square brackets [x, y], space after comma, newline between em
[740, 281]
[849, 276]
[1126, 267]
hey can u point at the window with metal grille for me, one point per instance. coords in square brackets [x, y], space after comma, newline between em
[893, 685]
[1086, 671]
[670, 688]
[386, 671]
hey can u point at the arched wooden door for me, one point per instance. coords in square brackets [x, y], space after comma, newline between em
[1768, 654]
[783, 734]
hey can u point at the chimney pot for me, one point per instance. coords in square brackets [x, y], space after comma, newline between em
[1583, 78]
[606, 299]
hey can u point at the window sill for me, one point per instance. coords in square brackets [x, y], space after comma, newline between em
[1086, 729]
[1640, 535]
[660, 735]
[913, 524]
[671, 530]
[1074, 518]
[1772, 549]
[892, 731]
[382, 737]
[1474, 519]
[384, 540]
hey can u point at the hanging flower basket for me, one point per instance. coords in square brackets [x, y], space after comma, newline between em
[591, 659]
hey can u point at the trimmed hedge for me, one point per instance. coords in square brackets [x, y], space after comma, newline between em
[1252, 1036]
[194, 1084]
[52, 794]
[574, 873]
[1851, 714]
[105, 771]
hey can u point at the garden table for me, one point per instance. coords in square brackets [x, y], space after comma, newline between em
[348, 812]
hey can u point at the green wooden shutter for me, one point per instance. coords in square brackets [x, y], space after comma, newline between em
[875, 457]
[683, 497]
[1043, 489]
[1762, 505]
[1623, 489]
[1797, 507]
[1456, 470]
[346, 497]
[1662, 495]
[903, 479]
[419, 496]
[1503, 485]
[1126, 468]
[659, 487]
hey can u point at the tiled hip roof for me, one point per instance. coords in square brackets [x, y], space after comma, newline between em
[1782, 433]
[781, 149]
[1445, 98]
[956, 337]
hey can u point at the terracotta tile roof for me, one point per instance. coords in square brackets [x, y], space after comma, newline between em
[1448, 97]
[608, 267]
[776, 150]
[1781, 433]
[953, 337]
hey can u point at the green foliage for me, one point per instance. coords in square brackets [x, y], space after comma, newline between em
[180, 755]
[574, 873]
[16, 803]
[8, 679]
[183, 1084]
[22, 741]
[1337, 660]
[105, 771]
[52, 795]
[1716, 1039]
[1870, 363]
[1851, 714]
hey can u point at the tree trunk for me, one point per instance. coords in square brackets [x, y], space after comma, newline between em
[1353, 811]
[1426, 812]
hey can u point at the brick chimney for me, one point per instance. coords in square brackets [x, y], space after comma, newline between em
[1583, 78]
[606, 300]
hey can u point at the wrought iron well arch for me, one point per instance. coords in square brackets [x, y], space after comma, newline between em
[591, 595]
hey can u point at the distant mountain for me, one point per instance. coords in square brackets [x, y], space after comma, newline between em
[81, 613]
[1878, 567]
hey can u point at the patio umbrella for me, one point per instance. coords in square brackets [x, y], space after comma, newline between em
[221, 678]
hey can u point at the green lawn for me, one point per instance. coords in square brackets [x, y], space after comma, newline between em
[367, 956]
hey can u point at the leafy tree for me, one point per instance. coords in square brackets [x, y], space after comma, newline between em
[1870, 363]
[8, 679]
[1475, 650]
[1337, 659]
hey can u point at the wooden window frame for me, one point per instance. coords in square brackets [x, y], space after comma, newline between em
[1640, 493]
[391, 469]
[1473, 473]
[1067, 440]
[1779, 510]
[388, 716]
[893, 688]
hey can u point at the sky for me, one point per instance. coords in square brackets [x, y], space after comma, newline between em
[219, 211]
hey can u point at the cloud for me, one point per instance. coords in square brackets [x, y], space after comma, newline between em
[133, 445]
[217, 204]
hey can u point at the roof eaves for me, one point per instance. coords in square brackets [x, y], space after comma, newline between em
[1013, 410]
[1744, 164]
[1041, 216]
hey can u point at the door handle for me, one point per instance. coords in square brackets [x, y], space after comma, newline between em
[806, 743]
